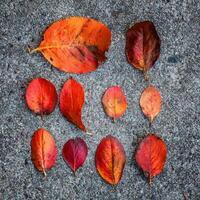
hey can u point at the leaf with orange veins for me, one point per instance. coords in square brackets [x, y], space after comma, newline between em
[150, 102]
[43, 150]
[151, 155]
[75, 44]
[110, 159]
[114, 102]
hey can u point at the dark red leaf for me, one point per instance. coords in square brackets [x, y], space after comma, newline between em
[75, 152]
[142, 45]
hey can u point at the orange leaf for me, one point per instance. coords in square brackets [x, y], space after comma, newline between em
[75, 44]
[142, 46]
[151, 155]
[41, 96]
[114, 102]
[110, 159]
[43, 150]
[150, 102]
[71, 102]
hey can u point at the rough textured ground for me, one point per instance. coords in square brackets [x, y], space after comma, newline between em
[176, 74]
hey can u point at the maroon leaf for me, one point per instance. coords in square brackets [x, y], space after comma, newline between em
[142, 46]
[75, 152]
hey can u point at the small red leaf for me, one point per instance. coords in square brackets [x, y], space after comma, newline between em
[114, 102]
[110, 159]
[75, 152]
[43, 150]
[142, 45]
[41, 96]
[71, 102]
[150, 102]
[151, 155]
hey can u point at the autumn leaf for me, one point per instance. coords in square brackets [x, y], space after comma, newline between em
[75, 152]
[110, 159]
[114, 102]
[150, 102]
[75, 44]
[41, 96]
[142, 46]
[71, 102]
[151, 155]
[43, 150]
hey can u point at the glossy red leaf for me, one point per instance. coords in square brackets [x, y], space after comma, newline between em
[43, 150]
[151, 155]
[75, 152]
[150, 102]
[114, 102]
[75, 44]
[41, 96]
[110, 159]
[71, 102]
[142, 45]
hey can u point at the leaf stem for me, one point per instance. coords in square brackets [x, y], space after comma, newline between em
[89, 133]
[44, 172]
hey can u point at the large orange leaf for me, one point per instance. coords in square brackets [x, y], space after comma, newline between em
[114, 102]
[41, 96]
[110, 159]
[142, 45]
[71, 102]
[151, 155]
[150, 102]
[43, 150]
[75, 44]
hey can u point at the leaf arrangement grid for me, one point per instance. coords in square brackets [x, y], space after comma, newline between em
[78, 45]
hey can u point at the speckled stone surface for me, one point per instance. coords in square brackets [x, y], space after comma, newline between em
[176, 74]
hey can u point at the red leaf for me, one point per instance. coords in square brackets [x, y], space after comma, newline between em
[110, 159]
[150, 102]
[142, 45]
[75, 152]
[71, 102]
[41, 96]
[114, 102]
[75, 44]
[151, 155]
[43, 150]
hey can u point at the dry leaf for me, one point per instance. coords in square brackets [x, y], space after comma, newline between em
[71, 102]
[75, 44]
[114, 102]
[142, 46]
[75, 152]
[110, 159]
[151, 155]
[43, 150]
[150, 102]
[41, 96]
